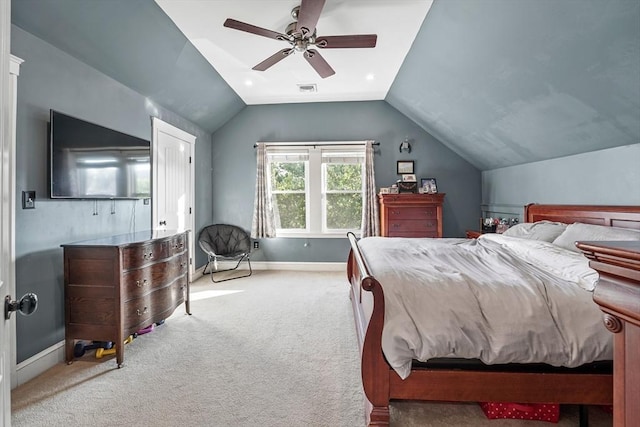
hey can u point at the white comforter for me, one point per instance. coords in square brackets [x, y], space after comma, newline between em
[498, 299]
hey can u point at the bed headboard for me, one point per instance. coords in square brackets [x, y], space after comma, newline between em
[611, 216]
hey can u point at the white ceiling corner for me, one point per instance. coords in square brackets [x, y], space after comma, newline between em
[233, 53]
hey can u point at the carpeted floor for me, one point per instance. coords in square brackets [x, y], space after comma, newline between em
[274, 349]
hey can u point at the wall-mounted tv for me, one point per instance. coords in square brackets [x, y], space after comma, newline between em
[89, 161]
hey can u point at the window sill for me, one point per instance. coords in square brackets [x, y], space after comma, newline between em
[339, 235]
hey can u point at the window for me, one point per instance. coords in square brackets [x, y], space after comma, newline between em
[316, 191]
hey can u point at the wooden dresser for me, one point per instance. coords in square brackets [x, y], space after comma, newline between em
[117, 285]
[618, 295]
[411, 215]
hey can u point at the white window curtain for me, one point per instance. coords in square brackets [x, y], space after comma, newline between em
[370, 220]
[263, 224]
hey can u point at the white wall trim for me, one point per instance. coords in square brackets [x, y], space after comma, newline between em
[300, 266]
[279, 265]
[39, 363]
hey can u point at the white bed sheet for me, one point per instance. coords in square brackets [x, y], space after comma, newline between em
[497, 299]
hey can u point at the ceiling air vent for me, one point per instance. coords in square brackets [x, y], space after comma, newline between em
[308, 88]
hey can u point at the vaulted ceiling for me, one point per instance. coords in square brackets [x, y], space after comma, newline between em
[501, 82]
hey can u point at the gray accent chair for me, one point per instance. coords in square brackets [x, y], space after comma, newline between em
[225, 242]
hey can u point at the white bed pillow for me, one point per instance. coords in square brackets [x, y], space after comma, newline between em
[568, 265]
[546, 231]
[590, 232]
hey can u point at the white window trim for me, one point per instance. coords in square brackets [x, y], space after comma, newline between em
[314, 213]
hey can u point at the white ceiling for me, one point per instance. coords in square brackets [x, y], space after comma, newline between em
[361, 74]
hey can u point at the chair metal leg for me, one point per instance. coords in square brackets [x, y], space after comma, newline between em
[245, 257]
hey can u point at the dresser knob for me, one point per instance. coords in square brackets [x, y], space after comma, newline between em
[148, 256]
[140, 313]
[141, 283]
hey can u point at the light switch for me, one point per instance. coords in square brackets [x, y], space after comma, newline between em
[28, 200]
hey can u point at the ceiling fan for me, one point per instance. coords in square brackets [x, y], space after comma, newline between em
[301, 35]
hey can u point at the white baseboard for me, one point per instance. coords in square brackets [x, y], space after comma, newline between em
[275, 265]
[300, 266]
[39, 363]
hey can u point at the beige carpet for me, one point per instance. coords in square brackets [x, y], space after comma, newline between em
[275, 349]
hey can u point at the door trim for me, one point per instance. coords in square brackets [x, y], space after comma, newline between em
[7, 166]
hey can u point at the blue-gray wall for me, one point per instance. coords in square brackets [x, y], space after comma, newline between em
[234, 164]
[508, 82]
[605, 177]
[50, 78]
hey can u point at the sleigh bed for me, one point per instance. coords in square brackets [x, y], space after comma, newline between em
[460, 376]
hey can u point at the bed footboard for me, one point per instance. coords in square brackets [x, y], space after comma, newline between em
[367, 299]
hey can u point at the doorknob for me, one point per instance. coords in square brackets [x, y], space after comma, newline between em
[26, 306]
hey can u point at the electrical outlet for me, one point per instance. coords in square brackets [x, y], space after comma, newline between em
[256, 245]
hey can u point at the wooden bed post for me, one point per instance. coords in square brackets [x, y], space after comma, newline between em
[375, 369]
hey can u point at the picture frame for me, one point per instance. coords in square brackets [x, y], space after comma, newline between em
[404, 167]
[384, 190]
[429, 185]
[409, 178]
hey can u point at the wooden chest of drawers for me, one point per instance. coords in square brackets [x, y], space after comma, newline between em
[118, 285]
[411, 215]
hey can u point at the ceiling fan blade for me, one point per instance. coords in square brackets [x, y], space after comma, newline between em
[242, 26]
[339, 42]
[318, 63]
[273, 59]
[308, 16]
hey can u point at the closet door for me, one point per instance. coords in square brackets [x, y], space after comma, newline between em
[173, 180]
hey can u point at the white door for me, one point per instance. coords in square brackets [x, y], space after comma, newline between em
[173, 180]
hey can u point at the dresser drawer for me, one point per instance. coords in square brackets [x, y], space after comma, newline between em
[136, 283]
[432, 234]
[413, 225]
[137, 312]
[412, 213]
[177, 244]
[141, 312]
[135, 256]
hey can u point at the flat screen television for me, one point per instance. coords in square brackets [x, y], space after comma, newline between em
[89, 161]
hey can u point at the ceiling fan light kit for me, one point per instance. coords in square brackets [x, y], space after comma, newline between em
[301, 35]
